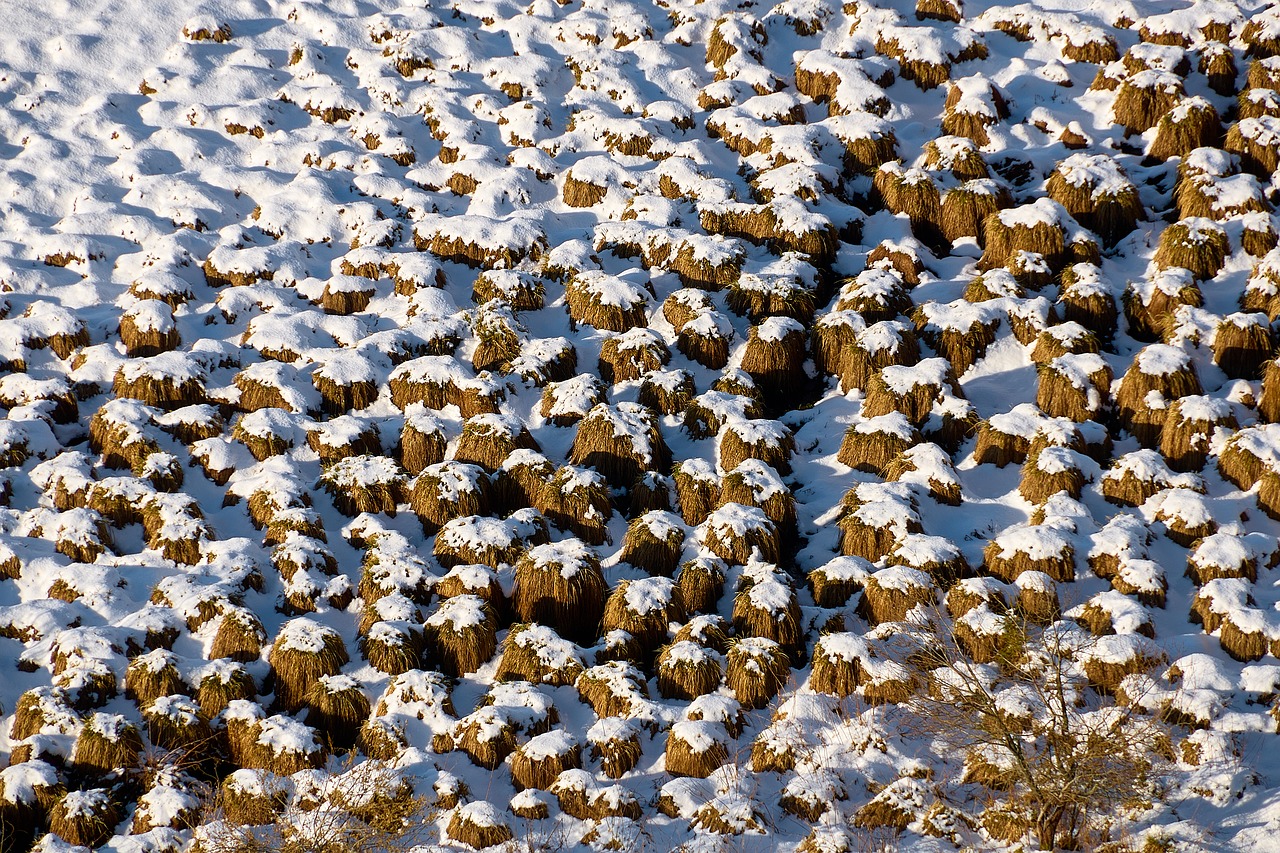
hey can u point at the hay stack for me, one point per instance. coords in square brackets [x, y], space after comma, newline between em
[834, 583]
[462, 634]
[519, 481]
[1074, 386]
[478, 825]
[930, 466]
[687, 670]
[1111, 658]
[653, 542]
[940, 10]
[1095, 190]
[537, 654]
[346, 381]
[695, 748]
[735, 533]
[1031, 548]
[774, 356]
[488, 439]
[1191, 426]
[537, 763]
[1049, 471]
[106, 744]
[767, 441]
[253, 797]
[768, 608]
[705, 339]
[342, 437]
[889, 594]
[1192, 123]
[393, 647]
[876, 294]
[336, 709]
[1186, 516]
[1196, 244]
[167, 381]
[615, 743]
[577, 500]
[755, 670]
[85, 818]
[837, 664]
[1242, 343]
[220, 682]
[1165, 370]
[914, 194]
[884, 344]
[621, 441]
[1086, 299]
[1135, 477]
[360, 484]
[871, 444]
[1151, 304]
[609, 303]
[148, 329]
[651, 492]
[1269, 400]
[151, 676]
[958, 155]
[643, 609]
[560, 585]
[754, 483]
[614, 689]
[1222, 555]
[303, 651]
[958, 331]
[936, 556]
[631, 355]
[965, 208]
[898, 256]
[447, 490]
[973, 105]
[1248, 454]
[475, 580]
[239, 636]
[1255, 141]
[1259, 235]
[870, 524]
[667, 392]
[1144, 97]
[701, 582]
[684, 305]
[1039, 228]
[1068, 338]
[697, 489]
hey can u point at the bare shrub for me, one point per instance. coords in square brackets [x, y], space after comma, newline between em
[1071, 765]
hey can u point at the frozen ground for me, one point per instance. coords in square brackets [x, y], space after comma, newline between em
[253, 182]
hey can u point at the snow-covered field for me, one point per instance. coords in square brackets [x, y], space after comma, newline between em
[583, 409]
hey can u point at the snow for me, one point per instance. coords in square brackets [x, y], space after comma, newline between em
[144, 190]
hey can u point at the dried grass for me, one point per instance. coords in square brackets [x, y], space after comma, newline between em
[966, 208]
[575, 500]
[1242, 344]
[701, 583]
[1058, 395]
[296, 669]
[755, 670]
[1038, 485]
[1198, 245]
[566, 595]
[1257, 151]
[1143, 98]
[686, 671]
[1133, 404]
